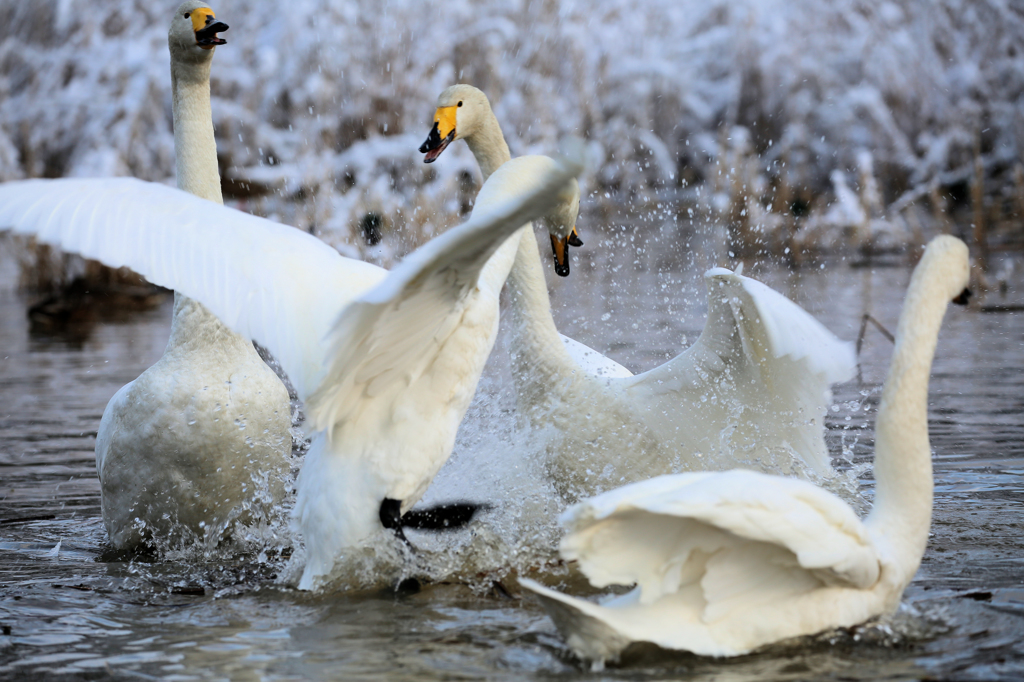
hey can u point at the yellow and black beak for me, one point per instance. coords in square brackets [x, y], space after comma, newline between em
[441, 135]
[561, 250]
[560, 246]
[206, 26]
[574, 238]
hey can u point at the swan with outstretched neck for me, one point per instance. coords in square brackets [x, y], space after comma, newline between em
[725, 563]
[752, 391]
[207, 427]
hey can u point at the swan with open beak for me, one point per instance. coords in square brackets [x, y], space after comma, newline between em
[463, 113]
[206, 27]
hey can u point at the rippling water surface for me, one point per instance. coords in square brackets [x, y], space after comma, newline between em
[68, 607]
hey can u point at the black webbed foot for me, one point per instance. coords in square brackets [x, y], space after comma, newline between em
[442, 516]
[391, 518]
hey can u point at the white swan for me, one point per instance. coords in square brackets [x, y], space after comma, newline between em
[206, 428]
[386, 372]
[751, 391]
[728, 562]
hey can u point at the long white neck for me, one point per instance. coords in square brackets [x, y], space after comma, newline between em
[195, 150]
[903, 464]
[538, 354]
[539, 358]
[488, 146]
[195, 155]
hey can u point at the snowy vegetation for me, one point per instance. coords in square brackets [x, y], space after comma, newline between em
[871, 117]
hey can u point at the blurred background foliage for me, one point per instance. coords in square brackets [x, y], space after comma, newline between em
[791, 124]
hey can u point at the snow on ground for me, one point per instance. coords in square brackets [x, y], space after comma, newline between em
[320, 105]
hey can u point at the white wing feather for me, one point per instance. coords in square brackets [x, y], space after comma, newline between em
[710, 527]
[761, 351]
[266, 281]
[390, 335]
[797, 335]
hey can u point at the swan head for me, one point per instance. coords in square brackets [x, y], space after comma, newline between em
[461, 111]
[561, 226]
[947, 261]
[193, 32]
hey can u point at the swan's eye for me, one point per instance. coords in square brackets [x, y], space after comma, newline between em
[187, 14]
[459, 104]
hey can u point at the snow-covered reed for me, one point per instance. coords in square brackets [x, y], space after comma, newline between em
[320, 104]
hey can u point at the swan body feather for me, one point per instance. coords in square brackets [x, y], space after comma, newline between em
[724, 563]
[203, 436]
[592, 362]
[751, 391]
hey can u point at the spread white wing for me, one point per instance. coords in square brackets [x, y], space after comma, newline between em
[389, 337]
[742, 536]
[723, 563]
[266, 281]
[763, 353]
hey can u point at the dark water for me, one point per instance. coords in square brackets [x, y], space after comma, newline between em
[67, 610]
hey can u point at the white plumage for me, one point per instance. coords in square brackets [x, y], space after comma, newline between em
[725, 563]
[204, 432]
[386, 362]
[752, 391]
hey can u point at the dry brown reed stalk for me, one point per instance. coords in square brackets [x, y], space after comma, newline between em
[782, 206]
[916, 233]
[1018, 195]
[939, 209]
